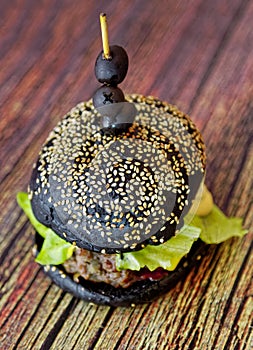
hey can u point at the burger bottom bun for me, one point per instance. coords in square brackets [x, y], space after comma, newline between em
[139, 293]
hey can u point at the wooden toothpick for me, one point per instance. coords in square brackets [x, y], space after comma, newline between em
[105, 39]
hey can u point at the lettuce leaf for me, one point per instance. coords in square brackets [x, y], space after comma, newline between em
[213, 228]
[55, 250]
[166, 255]
[216, 227]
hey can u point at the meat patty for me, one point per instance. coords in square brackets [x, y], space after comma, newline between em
[98, 267]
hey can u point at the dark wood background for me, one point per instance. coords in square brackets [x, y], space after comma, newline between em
[197, 54]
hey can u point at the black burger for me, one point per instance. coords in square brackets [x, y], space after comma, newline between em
[117, 196]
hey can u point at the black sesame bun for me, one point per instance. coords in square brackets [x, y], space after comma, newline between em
[114, 180]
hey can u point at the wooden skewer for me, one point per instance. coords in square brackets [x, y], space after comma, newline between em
[105, 39]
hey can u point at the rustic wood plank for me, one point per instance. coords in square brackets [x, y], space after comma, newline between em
[195, 54]
[82, 327]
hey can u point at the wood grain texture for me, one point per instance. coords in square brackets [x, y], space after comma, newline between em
[196, 54]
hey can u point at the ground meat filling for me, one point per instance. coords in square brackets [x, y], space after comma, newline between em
[97, 267]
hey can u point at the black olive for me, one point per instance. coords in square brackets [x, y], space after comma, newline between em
[113, 70]
[107, 95]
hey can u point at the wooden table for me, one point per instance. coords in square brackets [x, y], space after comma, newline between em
[196, 54]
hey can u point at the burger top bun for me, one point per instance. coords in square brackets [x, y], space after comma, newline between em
[119, 177]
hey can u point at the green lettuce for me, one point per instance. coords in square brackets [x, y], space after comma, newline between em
[216, 227]
[213, 228]
[166, 255]
[55, 250]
